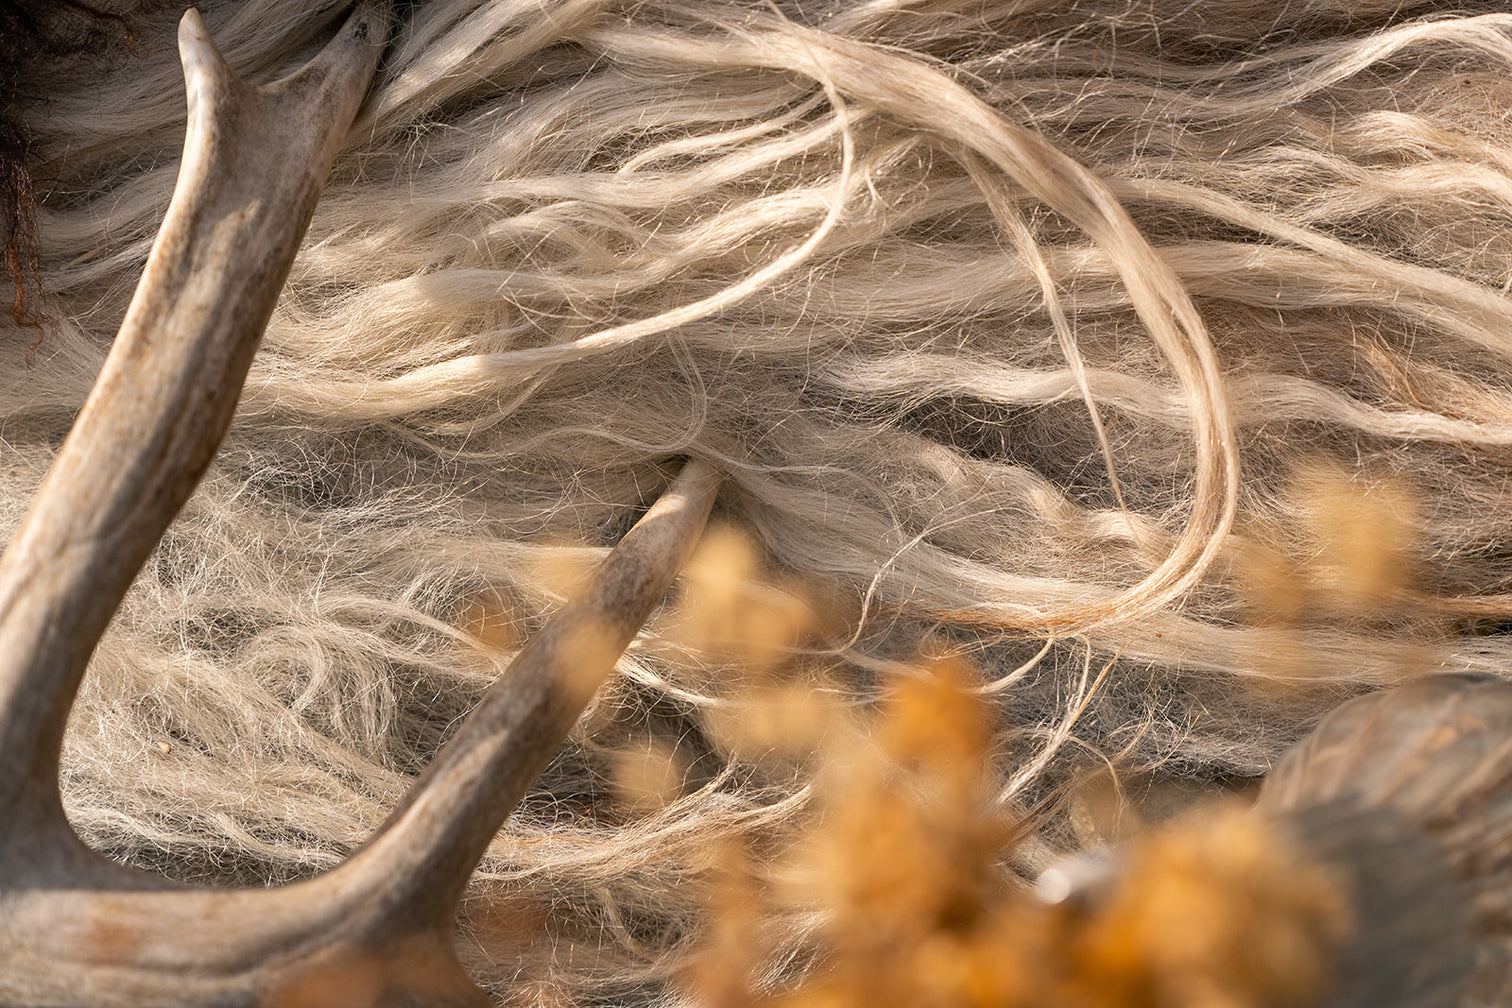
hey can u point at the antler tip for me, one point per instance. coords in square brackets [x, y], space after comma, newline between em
[204, 66]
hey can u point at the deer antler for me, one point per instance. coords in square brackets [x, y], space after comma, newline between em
[76, 929]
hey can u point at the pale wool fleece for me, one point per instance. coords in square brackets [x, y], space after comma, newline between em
[918, 276]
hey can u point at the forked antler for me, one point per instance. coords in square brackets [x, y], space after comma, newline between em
[78, 930]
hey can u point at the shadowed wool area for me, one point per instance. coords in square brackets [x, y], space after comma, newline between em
[1160, 342]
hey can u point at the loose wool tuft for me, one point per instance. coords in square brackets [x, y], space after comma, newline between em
[1155, 357]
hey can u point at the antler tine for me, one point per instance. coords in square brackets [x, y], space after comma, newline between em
[385, 920]
[419, 863]
[254, 162]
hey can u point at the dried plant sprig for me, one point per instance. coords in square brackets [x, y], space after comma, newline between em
[904, 864]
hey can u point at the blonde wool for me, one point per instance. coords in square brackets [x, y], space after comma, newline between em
[1018, 328]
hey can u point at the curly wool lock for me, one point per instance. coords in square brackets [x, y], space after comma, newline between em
[1020, 328]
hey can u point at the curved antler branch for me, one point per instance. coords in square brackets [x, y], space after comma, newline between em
[254, 162]
[419, 863]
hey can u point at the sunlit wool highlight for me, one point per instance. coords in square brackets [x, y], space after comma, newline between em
[1106, 344]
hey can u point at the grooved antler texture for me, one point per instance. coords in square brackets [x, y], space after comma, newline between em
[254, 163]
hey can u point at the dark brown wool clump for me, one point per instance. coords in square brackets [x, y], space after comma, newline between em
[33, 33]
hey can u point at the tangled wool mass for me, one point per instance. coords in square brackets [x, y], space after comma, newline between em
[1153, 358]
